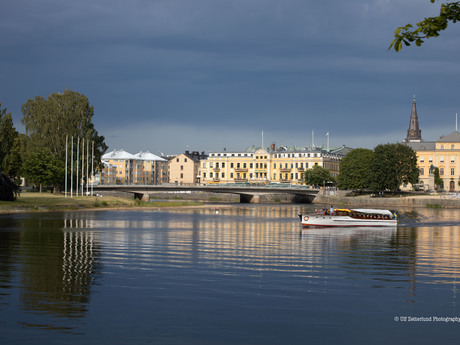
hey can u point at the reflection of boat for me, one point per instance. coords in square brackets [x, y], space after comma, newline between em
[349, 217]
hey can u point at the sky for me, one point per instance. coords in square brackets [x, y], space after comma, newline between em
[167, 76]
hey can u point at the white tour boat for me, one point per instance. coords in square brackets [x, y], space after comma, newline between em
[349, 217]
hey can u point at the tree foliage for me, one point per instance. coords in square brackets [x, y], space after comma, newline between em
[355, 170]
[439, 183]
[429, 27]
[319, 176]
[393, 165]
[43, 168]
[49, 121]
[8, 189]
[10, 150]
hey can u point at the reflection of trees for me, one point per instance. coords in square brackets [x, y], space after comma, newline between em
[57, 268]
[8, 252]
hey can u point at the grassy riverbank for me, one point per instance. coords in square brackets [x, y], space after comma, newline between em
[35, 202]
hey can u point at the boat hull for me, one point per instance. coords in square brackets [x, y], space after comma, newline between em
[344, 221]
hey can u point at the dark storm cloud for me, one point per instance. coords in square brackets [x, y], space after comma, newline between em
[204, 66]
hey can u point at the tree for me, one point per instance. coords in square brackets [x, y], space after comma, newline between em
[43, 168]
[8, 190]
[393, 165]
[10, 152]
[438, 182]
[355, 169]
[429, 27]
[318, 176]
[49, 121]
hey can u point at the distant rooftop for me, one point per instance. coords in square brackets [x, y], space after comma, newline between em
[123, 155]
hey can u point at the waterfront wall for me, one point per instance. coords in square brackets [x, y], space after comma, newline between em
[339, 199]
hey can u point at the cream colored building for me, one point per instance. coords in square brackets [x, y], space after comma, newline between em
[274, 165]
[184, 169]
[143, 168]
[443, 154]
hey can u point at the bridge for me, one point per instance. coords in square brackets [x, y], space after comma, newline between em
[248, 194]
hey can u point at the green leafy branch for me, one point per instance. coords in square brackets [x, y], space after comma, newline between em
[429, 27]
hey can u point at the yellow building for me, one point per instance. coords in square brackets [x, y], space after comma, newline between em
[274, 165]
[184, 169]
[443, 154]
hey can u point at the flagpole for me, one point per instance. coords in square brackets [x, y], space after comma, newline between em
[87, 165]
[66, 144]
[92, 169]
[78, 158]
[82, 164]
[71, 170]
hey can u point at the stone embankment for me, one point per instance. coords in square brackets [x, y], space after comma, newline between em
[339, 199]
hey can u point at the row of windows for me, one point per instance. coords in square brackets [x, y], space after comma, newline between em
[258, 165]
[230, 155]
[441, 159]
[244, 176]
[441, 171]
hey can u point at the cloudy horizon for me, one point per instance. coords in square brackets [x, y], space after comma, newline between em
[167, 76]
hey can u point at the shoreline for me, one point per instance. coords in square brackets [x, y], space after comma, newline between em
[46, 202]
[36, 203]
[431, 201]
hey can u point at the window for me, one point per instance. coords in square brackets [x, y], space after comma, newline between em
[452, 147]
[441, 171]
[452, 159]
[181, 175]
[223, 164]
[231, 165]
[452, 171]
[422, 171]
[422, 159]
[181, 167]
[177, 160]
[441, 159]
[430, 159]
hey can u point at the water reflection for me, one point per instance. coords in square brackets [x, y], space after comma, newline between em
[55, 269]
[56, 265]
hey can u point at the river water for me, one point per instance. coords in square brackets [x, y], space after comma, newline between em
[246, 274]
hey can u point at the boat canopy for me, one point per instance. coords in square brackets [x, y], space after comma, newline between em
[372, 211]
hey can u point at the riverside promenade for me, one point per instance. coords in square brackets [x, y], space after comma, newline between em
[339, 199]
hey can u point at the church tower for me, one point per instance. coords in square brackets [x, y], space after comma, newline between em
[414, 134]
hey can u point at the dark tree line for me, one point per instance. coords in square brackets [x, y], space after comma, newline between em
[386, 167]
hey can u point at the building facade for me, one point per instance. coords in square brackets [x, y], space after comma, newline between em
[143, 168]
[184, 169]
[273, 165]
[443, 154]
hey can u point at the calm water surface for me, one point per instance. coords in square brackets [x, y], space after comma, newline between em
[247, 275]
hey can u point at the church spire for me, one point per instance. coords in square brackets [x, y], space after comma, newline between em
[414, 134]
